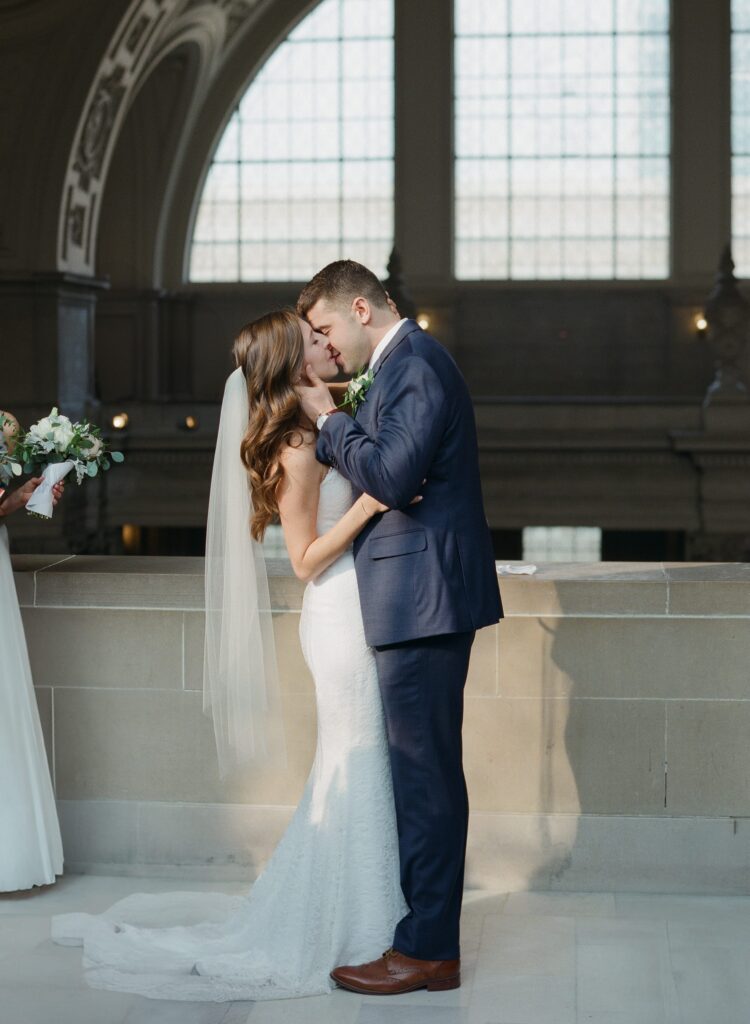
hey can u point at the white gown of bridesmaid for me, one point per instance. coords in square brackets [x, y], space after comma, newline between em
[330, 893]
[30, 844]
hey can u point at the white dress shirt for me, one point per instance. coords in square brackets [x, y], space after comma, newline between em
[383, 343]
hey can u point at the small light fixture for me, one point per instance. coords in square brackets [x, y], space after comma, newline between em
[701, 324]
[131, 538]
[120, 420]
[189, 423]
[424, 321]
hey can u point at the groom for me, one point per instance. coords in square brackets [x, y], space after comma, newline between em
[427, 582]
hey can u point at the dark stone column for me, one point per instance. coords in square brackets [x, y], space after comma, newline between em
[47, 342]
[424, 140]
[701, 136]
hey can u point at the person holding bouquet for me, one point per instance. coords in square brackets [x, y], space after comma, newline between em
[30, 843]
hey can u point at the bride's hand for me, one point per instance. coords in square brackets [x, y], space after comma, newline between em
[373, 507]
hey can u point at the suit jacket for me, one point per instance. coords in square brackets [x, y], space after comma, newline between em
[429, 568]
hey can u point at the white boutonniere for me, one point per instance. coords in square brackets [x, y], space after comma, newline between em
[356, 393]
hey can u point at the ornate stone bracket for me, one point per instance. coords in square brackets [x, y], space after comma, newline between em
[728, 318]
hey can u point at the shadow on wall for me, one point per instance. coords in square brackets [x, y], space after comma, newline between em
[602, 735]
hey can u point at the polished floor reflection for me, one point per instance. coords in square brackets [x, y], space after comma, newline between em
[529, 958]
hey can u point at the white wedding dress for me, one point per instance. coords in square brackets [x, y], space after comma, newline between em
[30, 844]
[330, 894]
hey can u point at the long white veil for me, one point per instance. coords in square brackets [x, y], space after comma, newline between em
[240, 674]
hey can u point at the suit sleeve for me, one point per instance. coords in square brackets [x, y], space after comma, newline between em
[412, 419]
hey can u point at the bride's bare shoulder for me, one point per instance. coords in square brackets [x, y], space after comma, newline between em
[298, 459]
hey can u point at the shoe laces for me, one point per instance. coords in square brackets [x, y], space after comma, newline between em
[389, 953]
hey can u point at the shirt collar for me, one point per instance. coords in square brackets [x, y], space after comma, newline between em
[384, 341]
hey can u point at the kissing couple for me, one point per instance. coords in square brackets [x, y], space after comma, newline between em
[383, 519]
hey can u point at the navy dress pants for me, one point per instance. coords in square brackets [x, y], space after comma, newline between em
[422, 686]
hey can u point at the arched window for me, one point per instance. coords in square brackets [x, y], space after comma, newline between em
[304, 171]
[741, 135]
[562, 139]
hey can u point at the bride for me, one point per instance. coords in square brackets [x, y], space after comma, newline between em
[330, 893]
[31, 848]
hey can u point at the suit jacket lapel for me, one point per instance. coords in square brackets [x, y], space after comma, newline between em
[405, 329]
[395, 341]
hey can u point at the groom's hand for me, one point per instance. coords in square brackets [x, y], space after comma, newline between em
[316, 399]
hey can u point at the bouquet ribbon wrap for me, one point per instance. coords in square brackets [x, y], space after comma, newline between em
[515, 570]
[40, 502]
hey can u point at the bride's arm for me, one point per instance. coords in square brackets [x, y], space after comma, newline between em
[298, 497]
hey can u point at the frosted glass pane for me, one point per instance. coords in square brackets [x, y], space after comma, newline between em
[741, 136]
[562, 544]
[566, 103]
[741, 15]
[303, 173]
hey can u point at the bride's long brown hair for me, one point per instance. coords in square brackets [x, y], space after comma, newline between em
[271, 353]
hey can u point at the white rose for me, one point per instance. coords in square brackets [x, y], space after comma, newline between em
[42, 428]
[355, 386]
[96, 448]
[62, 435]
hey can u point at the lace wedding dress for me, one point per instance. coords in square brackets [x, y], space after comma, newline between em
[330, 894]
[30, 845]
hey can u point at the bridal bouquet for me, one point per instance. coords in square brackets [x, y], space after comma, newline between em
[56, 446]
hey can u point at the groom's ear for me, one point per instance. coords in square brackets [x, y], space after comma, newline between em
[361, 309]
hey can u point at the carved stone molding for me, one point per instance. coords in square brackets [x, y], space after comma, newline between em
[142, 36]
[98, 127]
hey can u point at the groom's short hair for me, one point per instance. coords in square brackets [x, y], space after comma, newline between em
[339, 284]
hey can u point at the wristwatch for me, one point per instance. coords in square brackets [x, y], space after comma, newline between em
[323, 417]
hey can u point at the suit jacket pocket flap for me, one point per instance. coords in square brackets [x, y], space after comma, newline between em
[397, 544]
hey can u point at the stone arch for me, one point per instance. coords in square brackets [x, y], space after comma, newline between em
[148, 31]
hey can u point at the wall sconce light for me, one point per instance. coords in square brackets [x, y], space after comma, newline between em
[120, 420]
[424, 321]
[701, 325]
[131, 539]
[189, 423]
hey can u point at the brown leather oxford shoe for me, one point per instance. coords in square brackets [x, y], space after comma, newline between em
[395, 972]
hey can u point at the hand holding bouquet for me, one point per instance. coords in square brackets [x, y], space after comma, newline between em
[56, 446]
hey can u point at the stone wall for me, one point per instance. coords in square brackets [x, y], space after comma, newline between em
[605, 732]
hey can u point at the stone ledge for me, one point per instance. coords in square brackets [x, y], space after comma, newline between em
[557, 589]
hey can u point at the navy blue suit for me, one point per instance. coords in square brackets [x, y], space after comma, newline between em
[427, 582]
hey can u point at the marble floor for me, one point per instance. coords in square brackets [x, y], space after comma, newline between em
[529, 958]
